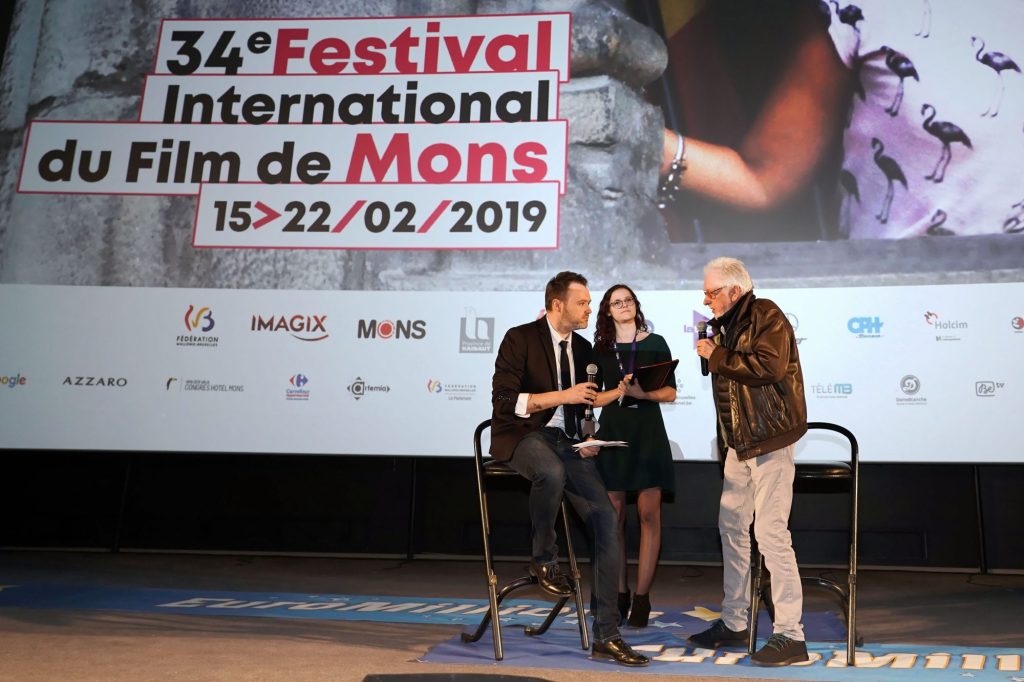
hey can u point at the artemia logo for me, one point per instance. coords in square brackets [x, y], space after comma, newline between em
[301, 327]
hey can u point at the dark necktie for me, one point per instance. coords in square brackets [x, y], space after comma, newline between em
[568, 411]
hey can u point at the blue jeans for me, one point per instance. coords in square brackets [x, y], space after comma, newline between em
[547, 459]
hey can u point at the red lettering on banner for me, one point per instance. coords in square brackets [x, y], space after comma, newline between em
[329, 57]
[538, 169]
[369, 51]
[528, 155]
[364, 152]
[285, 51]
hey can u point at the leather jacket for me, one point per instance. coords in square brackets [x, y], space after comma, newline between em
[757, 382]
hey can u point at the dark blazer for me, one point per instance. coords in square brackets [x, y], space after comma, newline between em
[526, 364]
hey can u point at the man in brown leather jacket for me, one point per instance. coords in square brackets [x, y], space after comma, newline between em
[758, 389]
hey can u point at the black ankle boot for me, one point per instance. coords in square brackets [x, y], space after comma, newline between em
[641, 611]
[623, 606]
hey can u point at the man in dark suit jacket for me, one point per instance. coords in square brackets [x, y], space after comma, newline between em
[538, 393]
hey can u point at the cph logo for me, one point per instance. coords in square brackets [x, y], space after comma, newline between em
[865, 326]
[198, 320]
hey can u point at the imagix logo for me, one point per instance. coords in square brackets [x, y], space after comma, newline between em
[199, 323]
[865, 327]
[13, 381]
[386, 329]
[301, 327]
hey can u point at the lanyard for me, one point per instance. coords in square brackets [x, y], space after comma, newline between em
[632, 359]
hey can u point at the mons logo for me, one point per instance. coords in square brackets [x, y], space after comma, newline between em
[198, 319]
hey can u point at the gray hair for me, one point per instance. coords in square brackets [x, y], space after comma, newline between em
[732, 271]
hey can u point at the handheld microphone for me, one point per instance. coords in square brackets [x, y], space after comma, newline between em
[702, 333]
[589, 427]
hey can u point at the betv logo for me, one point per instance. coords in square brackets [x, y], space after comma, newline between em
[198, 319]
[386, 329]
[302, 327]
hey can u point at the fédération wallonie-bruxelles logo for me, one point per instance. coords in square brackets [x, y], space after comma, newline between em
[199, 323]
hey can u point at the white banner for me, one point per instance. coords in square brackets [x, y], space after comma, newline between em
[919, 374]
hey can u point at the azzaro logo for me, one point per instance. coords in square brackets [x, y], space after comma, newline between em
[302, 327]
[108, 382]
[386, 329]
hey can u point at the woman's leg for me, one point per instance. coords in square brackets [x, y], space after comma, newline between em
[649, 508]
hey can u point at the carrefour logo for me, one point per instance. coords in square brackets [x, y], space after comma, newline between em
[198, 319]
[865, 326]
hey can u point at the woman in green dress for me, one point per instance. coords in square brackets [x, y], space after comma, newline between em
[621, 344]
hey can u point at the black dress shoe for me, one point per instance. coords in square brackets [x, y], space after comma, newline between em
[620, 652]
[551, 579]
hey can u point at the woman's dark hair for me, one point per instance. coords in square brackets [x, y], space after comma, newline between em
[604, 329]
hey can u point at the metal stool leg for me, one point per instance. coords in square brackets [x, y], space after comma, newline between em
[574, 576]
[756, 568]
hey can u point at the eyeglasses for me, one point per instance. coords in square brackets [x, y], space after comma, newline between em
[714, 292]
[622, 302]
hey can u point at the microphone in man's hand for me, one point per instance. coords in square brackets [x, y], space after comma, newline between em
[589, 426]
[702, 333]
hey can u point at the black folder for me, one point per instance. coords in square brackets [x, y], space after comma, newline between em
[653, 377]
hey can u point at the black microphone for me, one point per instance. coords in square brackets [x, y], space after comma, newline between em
[702, 333]
[589, 427]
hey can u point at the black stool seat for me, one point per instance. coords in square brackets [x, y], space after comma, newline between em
[494, 467]
[491, 468]
[819, 472]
